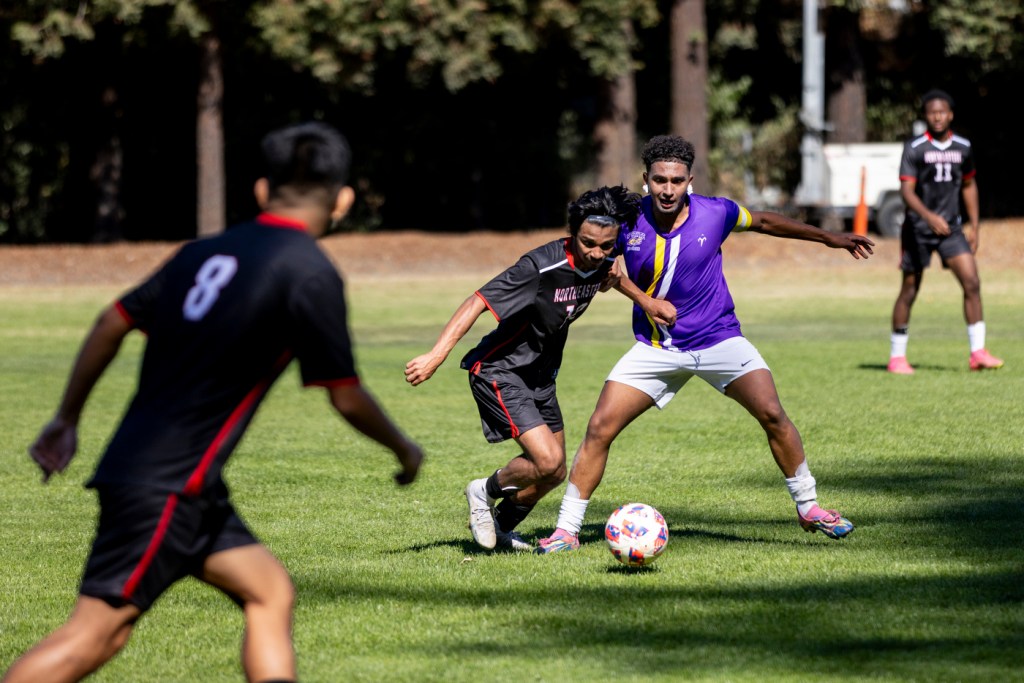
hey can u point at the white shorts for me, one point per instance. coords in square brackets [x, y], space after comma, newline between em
[660, 373]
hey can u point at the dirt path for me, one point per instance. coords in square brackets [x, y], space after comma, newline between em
[410, 253]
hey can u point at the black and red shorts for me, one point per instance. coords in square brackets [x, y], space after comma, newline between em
[509, 406]
[919, 243]
[148, 539]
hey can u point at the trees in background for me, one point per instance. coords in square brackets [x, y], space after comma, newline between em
[136, 118]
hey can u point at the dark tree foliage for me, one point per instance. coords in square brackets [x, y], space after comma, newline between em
[459, 120]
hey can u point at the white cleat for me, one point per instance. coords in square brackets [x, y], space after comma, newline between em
[481, 514]
[512, 541]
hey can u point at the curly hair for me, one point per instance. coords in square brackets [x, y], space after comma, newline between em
[617, 203]
[668, 148]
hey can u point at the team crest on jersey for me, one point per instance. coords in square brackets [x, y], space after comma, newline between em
[634, 240]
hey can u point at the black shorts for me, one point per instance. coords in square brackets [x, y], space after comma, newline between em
[918, 245]
[509, 406]
[148, 539]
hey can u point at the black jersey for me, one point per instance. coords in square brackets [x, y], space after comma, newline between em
[534, 301]
[939, 169]
[223, 317]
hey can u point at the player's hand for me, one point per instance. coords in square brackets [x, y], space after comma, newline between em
[611, 278]
[662, 312]
[410, 458]
[421, 368]
[859, 246]
[938, 225]
[971, 233]
[54, 447]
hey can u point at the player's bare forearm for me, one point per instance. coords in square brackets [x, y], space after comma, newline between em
[777, 225]
[421, 368]
[98, 349]
[661, 311]
[57, 442]
[362, 411]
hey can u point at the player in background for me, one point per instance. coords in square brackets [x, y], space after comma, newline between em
[512, 369]
[223, 318]
[685, 326]
[936, 171]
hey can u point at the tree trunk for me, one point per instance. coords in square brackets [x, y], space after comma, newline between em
[210, 193]
[689, 50]
[847, 98]
[615, 132]
[106, 171]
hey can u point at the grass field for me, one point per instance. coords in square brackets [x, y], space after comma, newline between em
[391, 588]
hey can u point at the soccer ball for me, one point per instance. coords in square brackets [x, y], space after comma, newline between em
[636, 534]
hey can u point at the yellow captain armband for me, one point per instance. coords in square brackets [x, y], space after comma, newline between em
[743, 221]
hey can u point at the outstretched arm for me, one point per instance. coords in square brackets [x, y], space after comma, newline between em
[777, 225]
[421, 368]
[58, 440]
[360, 409]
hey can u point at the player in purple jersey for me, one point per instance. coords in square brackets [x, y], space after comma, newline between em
[512, 370]
[936, 171]
[685, 326]
[223, 317]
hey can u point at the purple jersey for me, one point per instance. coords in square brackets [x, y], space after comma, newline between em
[684, 267]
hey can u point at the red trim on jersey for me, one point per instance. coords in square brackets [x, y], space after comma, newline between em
[908, 177]
[568, 253]
[497, 392]
[476, 366]
[154, 544]
[968, 176]
[195, 482]
[328, 383]
[280, 221]
[488, 305]
[124, 313]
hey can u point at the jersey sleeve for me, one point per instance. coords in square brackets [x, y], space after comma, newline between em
[743, 219]
[512, 290]
[139, 304]
[908, 163]
[321, 339]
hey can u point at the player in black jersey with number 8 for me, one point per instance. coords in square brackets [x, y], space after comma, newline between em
[223, 318]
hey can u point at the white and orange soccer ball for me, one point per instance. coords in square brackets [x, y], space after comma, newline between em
[636, 534]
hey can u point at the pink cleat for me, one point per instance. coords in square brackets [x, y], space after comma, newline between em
[983, 360]
[898, 365]
[558, 542]
[828, 522]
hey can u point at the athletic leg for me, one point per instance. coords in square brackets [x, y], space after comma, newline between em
[756, 392]
[965, 268]
[254, 578]
[618, 405]
[900, 322]
[91, 636]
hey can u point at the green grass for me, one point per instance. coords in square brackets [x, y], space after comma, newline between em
[391, 587]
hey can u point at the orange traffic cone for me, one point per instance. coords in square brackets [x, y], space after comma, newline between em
[860, 215]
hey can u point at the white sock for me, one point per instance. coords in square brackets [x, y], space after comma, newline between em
[802, 488]
[898, 344]
[572, 511]
[976, 335]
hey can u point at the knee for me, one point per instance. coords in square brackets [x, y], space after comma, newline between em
[551, 470]
[772, 417]
[277, 594]
[972, 287]
[601, 430]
